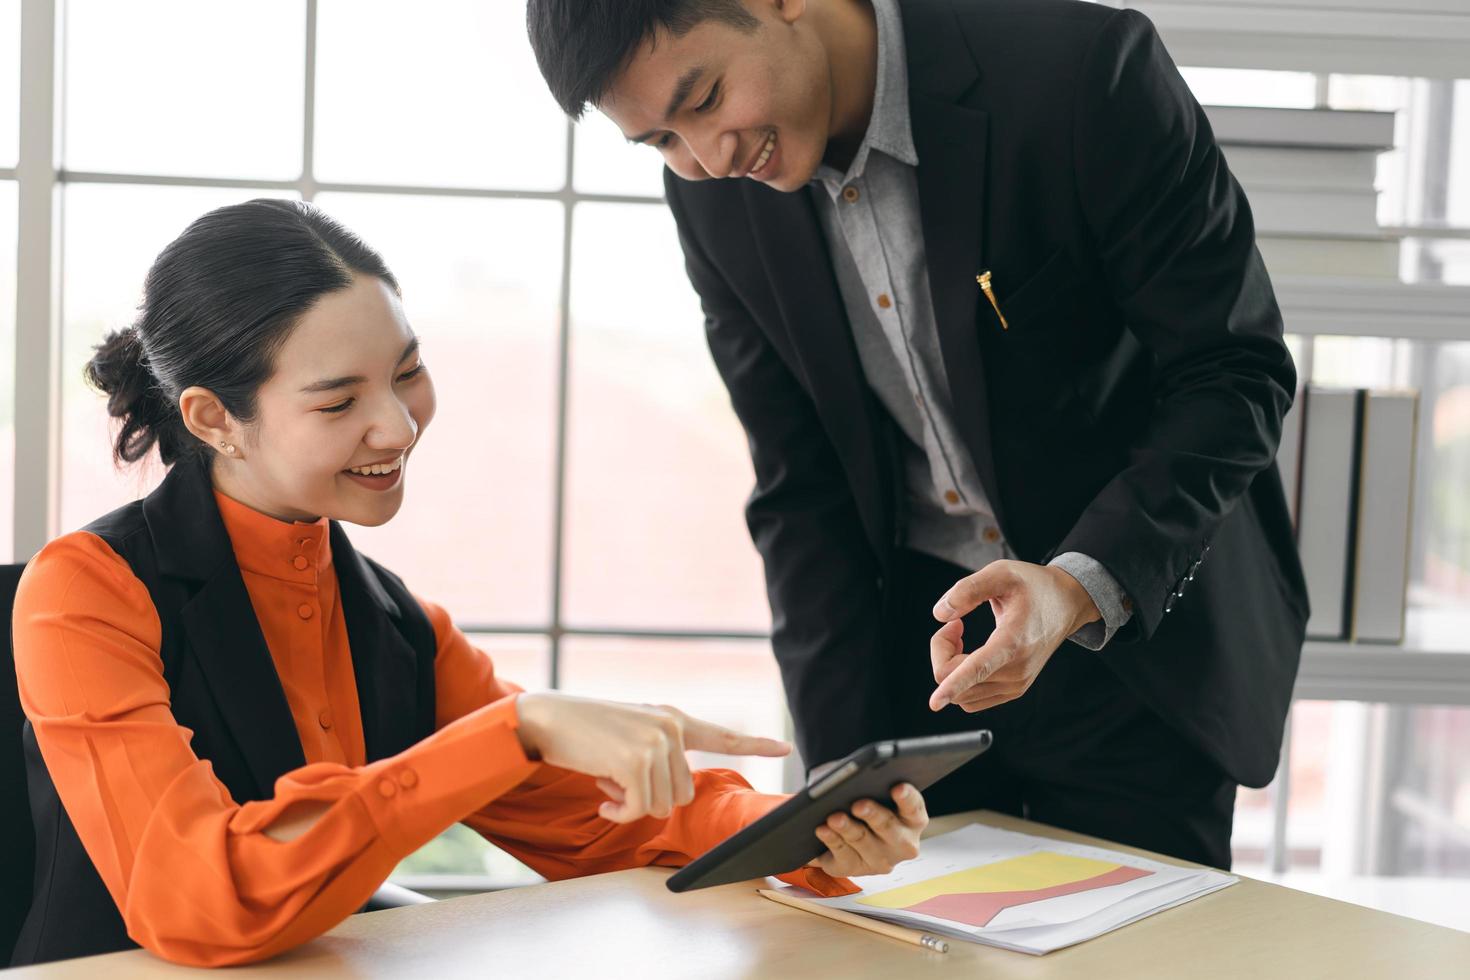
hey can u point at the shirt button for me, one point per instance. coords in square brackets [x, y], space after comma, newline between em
[325, 718]
[850, 194]
[950, 497]
[992, 534]
[300, 562]
[919, 400]
[304, 611]
[386, 788]
[883, 301]
[408, 779]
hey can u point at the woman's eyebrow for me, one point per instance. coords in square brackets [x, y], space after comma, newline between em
[347, 381]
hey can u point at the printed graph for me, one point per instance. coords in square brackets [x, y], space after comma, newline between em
[974, 896]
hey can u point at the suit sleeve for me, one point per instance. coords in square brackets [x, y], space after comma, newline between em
[1177, 243]
[822, 578]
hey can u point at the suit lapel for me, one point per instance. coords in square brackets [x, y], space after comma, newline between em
[950, 139]
[384, 665]
[794, 255]
[224, 636]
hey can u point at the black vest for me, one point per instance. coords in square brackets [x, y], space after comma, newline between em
[224, 687]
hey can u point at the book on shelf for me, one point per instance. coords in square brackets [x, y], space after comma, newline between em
[1384, 516]
[1342, 129]
[1301, 212]
[1331, 423]
[1303, 167]
[1289, 453]
[1301, 255]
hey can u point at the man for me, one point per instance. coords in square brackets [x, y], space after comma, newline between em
[985, 297]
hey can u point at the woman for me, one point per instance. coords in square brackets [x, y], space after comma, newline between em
[237, 724]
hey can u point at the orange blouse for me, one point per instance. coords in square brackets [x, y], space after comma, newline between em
[194, 875]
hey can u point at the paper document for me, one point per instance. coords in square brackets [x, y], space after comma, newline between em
[1022, 892]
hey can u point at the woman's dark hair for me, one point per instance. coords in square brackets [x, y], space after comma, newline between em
[218, 304]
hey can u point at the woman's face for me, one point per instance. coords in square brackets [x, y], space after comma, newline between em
[337, 422]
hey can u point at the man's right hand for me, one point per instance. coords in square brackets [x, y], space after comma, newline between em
[636, 751]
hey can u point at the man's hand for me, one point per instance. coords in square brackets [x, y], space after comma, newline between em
[1036, 607]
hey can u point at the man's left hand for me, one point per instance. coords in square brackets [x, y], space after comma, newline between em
[1036, 607]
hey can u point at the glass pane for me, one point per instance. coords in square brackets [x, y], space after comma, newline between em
[481, 281]
[524, 660]
[9, 81]
[447, 94]
[657, 465]
[1252, 87]
[152, 87]
[1459, 189]
[112, 235]
[606, 163]
[7, 370]
[1378, 808]
[734, 683]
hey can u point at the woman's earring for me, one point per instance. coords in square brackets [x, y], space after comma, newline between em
[229, 449]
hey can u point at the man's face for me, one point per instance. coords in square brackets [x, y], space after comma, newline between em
[720, 102]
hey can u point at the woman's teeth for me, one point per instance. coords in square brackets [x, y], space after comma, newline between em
[765, 156]
[377, 469]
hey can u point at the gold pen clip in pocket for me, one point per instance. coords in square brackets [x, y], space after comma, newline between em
[984, 280]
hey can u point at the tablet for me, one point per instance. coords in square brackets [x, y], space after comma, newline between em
[785, 839]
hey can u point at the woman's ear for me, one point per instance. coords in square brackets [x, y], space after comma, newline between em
[206, 417]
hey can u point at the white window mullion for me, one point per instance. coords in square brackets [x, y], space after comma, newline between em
[37, 339]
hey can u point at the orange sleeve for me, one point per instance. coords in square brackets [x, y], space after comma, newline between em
[550, 820]
[194, 875]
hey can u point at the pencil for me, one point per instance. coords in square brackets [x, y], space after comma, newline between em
[888, 929]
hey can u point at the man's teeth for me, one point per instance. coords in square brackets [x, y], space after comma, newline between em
[377, 469]
[765, 153]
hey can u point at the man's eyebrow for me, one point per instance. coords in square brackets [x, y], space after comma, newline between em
[686, 84]
[347, 381]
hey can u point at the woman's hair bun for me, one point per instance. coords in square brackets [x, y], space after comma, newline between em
[119, 369]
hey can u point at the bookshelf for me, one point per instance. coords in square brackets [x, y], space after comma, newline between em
[1364, 307]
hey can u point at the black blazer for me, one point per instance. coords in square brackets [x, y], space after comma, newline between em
[223, 686]
[1131, 411]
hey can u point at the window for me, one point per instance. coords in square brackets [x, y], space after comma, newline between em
[1403, 774]
[9, 82]
[577, 504]
[7, 365]
[658, 469]
[9, 145]
[164, 103]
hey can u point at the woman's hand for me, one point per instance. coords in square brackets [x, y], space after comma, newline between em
[872, 839]
[636, 751]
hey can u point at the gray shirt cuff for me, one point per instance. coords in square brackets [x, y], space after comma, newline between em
[1106, 594]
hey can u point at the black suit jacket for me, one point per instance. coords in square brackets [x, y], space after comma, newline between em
[1131, 411]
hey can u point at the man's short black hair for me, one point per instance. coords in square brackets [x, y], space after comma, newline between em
[582, 45]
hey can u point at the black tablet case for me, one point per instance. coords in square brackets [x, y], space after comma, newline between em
[785, 839]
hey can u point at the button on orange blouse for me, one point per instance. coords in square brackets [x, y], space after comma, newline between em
[196, 878]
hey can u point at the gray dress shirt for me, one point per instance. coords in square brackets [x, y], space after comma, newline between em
[870, 216]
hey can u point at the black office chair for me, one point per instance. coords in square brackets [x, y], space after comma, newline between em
[18, 850]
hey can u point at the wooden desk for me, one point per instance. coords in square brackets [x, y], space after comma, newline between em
[628, 925]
